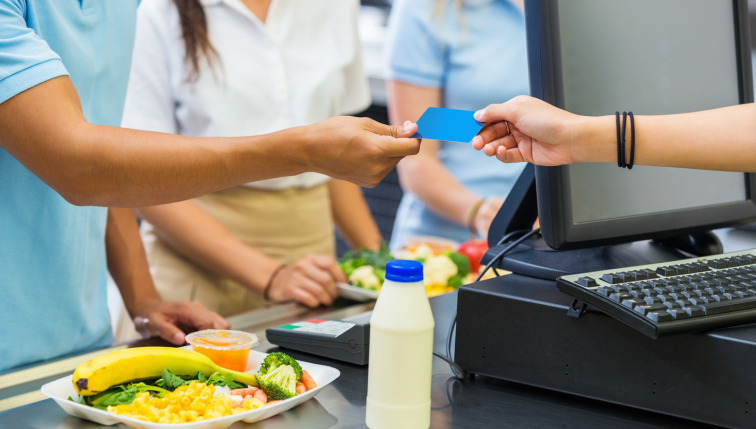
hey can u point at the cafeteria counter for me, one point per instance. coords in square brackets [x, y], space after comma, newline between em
[480, 402]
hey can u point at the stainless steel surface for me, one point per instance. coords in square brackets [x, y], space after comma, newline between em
[475, 403]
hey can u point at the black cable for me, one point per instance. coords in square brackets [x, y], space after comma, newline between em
[456, 369]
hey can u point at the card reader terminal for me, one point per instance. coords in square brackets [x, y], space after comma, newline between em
[344, 340]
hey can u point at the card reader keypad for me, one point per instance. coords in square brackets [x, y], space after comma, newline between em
[672, 292]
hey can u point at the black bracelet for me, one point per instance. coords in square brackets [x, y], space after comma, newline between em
[621, 132]
[632, 141]
[266, 291]
[619, 142]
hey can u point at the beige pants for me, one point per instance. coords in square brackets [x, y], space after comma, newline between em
[285, 225]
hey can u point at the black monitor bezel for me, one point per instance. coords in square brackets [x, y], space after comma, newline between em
[558, 229]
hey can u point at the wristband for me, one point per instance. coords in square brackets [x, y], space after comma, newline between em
[266, 291]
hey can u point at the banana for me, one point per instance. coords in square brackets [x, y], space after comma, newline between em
[122, 366]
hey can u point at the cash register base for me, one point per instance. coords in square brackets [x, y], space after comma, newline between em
[517, 328]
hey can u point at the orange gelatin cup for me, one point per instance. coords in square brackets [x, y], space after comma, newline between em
[228, 349]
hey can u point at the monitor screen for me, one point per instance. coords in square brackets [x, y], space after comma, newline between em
[633, 57]
[651, 57]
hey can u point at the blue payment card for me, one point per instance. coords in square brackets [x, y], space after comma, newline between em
[448, 124]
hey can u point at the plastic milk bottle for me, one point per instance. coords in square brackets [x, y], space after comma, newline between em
[401, 351]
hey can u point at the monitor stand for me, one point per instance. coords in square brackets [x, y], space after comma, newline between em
[533, 258]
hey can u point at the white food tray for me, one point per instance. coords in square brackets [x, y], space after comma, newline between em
[59, 390]
[356, 293]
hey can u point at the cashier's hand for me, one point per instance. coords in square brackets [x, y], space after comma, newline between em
[358, 150]
[310, 281]
[540, 133]
[170, 320]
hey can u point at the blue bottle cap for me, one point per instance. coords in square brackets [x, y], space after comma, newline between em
[404, 271]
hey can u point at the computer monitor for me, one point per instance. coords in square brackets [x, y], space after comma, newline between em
[651, 57]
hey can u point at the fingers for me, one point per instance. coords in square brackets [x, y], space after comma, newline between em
[323, 279]
[509, 155]
[304, 297]
[490, 133]
[317, 290]
[329, 264]
[160, 325]
[197, 316]
[400, 144]
[502, 112]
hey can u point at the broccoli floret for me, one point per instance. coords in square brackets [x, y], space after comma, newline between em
[279, 383]
[455, 281]
[461, 261]
[276, 359]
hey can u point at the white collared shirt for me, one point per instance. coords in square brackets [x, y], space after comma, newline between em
[303, 65]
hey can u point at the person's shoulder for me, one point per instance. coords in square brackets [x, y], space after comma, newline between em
[156, 9]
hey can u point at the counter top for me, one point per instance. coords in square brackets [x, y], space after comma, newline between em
[480, 402]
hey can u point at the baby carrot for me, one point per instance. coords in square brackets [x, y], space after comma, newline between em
[308, 381]
[301, 388]
[245, 392]
[262, 396]
[272, 402]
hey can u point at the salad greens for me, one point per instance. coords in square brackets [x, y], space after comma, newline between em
[124, 394]
[355, 259]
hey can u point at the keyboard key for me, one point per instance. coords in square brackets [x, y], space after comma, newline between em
[631, 303]
[587, 282]
[639, 275]
[675, 289]
[611, 278]
[633, 286]
[650, 274]
[652, 300]
[692, 268]
[751, 259]
[669, 281]
[665, 271]
[672, 304]
[742, 260]
[604, 291]
[680, 269]
[749, 269]
[727, 306]
[732, 262]
[626, 277]
[683, 279]
[702, 265]
[619, 297]
[678, 313]
[718, 264]
[660, 316]
[640, 294]
[694, 311]
[645, 309]
[706, 276]
[717, 275]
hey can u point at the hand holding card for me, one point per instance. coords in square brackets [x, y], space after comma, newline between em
[448, 125]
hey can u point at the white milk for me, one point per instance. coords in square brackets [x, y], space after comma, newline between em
[401, 351]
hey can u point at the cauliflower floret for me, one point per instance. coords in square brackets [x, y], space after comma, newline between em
[423, 251]
[364, 276]
[437, 270]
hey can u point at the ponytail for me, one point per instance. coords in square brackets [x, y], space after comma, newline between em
[194, 32]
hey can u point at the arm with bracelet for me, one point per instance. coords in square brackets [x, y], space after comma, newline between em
[720, 139]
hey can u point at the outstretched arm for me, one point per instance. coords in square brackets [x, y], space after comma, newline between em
[44, 128]
[720, 139]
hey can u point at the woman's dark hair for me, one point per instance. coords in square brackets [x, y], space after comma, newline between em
[194, 32]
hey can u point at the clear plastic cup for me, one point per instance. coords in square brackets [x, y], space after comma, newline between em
[228, 349]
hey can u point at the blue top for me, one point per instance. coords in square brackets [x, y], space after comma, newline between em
[52, 255]
[477, 54]
[404, 271]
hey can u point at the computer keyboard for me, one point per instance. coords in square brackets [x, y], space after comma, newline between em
[671, 298]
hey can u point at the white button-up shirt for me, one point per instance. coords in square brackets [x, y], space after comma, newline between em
[301, 66]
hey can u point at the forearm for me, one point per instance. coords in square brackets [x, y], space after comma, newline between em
[437, 188]
[126, 260]
[197, 236]
[721, 139]
[352, 216]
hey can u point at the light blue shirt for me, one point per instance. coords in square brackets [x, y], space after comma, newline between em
[477, 55]
[52, 254]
